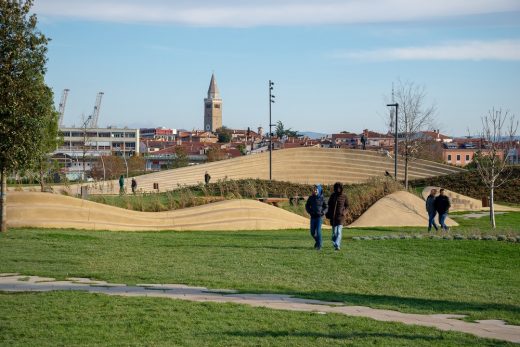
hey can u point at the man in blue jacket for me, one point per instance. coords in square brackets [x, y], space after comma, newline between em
[316, 207]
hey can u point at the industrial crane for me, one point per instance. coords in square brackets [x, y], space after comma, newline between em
[61, 107]
[95, 114]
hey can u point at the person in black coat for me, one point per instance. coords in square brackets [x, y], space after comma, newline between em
[430, 208]
[338, 204]
[316, 207]
[442, 206]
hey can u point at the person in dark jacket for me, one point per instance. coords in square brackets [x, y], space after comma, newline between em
[430, 208]
[338, 204]
[134, 185]
[121, 185]
[442, 206]
[316, 207]
[207, 177]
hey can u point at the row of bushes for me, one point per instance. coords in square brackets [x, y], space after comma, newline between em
[469, 183]
[361, 196]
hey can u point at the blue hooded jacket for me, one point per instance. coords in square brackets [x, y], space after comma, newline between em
[316, 206]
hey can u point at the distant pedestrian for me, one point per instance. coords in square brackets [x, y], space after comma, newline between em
[363, 141]
[207, 177]
[442, 206]
[430, 208]
[338, 204]
[121, 185]
[134, 185]
[316, 207]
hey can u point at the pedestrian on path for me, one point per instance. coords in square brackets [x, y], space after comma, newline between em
[134, 185]
[430, 208]
[207, 177]
[442, 206]
[121, 185]
[338, 204]
[316, 207]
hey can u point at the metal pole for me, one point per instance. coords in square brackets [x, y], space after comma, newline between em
[395, 145]
[396, 105]
[270, 136]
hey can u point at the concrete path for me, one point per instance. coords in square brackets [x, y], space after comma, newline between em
[493, 329]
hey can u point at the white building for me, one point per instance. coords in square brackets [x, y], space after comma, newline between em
[95, 142]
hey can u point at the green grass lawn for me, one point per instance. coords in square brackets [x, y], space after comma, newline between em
[83, 319]
[478, 278]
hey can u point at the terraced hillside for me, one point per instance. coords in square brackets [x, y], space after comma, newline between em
[299, 165]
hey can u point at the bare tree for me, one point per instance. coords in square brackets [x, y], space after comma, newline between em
[414, 115]
[498, 132]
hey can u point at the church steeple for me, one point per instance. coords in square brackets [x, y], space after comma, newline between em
[213, 92]
[213, 107]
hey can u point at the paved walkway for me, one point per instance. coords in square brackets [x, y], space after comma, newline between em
[493, 329]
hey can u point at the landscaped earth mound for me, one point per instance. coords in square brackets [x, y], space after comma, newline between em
[399, 209]
[307, 165]
[44, 210]
[461, 202]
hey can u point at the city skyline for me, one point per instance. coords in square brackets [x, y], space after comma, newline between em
[333, 62]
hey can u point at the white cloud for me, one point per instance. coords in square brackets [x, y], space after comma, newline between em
[468, 50]
[235, 13]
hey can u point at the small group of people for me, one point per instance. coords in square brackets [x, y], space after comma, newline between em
[334, 210]
[437, 205]
[122, 185]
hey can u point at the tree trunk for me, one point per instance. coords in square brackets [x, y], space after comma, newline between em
[492, 207]
[42, 183]
[406, 172]
[3, 201]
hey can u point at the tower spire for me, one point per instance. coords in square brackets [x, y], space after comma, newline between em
[213, 92]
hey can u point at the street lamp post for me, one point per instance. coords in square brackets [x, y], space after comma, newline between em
[84, 126]
[124, 158]
[396, 105]
[271, 101]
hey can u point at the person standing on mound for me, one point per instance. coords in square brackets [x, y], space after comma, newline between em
[316, 207]
[338, 204]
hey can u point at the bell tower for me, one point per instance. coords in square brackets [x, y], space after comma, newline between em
[212, 107]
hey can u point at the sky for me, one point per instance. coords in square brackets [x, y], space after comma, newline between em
[333, 62]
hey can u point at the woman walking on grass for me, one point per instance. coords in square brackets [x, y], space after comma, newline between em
[338, 204]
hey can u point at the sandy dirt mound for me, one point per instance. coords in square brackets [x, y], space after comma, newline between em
[399, 209]
[461, 202]
[306, 165]
[31, 209]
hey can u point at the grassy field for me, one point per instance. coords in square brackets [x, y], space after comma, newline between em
[478, 278]
[82, 319]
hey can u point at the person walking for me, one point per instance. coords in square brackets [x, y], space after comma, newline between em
[338, 204]
[207, 177]
[430, 208]
[316, 207]
[442, 206]
[121, 185]
[134, 185]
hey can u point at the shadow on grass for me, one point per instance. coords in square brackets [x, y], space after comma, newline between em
[348, 336]
[424, 306]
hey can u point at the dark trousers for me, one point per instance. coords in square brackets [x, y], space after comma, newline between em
[316, 231]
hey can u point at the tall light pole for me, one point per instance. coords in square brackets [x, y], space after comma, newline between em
[84, 127]
[126, 164]
[271, 101]
[396, 105]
